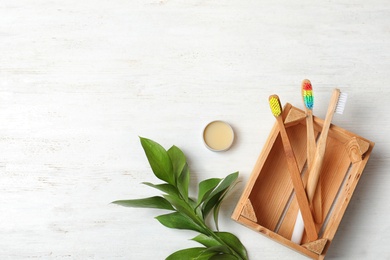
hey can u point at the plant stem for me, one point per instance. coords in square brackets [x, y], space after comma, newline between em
[200, 221]
[211, 233]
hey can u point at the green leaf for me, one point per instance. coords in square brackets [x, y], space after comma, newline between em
[185, 254]
[180, 205]
[178, 220]
[206, 187]
[195, 207]
[216, 194]
[178, 160]
[206, 255]
[216, 246]
[180, 169]
[219, 249]
[196, 253]
[219, 203]
[184, 181]
[164, 187]
[152, 202]
[205, 240]
[233, 242]
[216, 213]
[223, 257]
[225, 183]
[159, 160]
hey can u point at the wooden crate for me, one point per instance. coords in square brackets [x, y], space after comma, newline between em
[268, 204]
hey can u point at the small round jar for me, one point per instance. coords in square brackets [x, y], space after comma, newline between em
[218, 136]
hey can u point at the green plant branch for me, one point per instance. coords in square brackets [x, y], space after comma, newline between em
[207, 231]
[171, 167]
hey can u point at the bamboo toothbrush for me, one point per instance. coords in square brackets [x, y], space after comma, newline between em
[303, 202]
[308, 101]
[336, 105]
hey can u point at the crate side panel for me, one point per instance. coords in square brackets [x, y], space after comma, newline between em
[271, 188]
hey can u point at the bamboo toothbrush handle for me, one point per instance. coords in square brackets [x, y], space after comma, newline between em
[311, 140]
[314, 171]
[297, 183]
[311, 150]
[317, 203]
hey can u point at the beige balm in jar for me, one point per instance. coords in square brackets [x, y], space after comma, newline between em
[218, 136]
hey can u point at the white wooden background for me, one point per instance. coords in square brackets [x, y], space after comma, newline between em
[81, 80]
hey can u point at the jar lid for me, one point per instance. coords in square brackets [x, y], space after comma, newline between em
[218, 136]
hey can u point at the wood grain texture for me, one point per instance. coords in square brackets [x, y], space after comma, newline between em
[299, 188]
[80, 80]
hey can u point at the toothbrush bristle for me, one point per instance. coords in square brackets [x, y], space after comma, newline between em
[341, 103]
[307, 94]
[275, 106]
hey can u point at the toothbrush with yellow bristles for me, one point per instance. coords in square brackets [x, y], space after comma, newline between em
[293, 169]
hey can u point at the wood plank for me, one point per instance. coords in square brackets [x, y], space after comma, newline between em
[335, 167]
[298, 136]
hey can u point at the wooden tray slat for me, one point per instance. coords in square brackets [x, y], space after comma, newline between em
[334, 169]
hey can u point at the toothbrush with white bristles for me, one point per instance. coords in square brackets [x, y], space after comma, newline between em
[336, 105]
